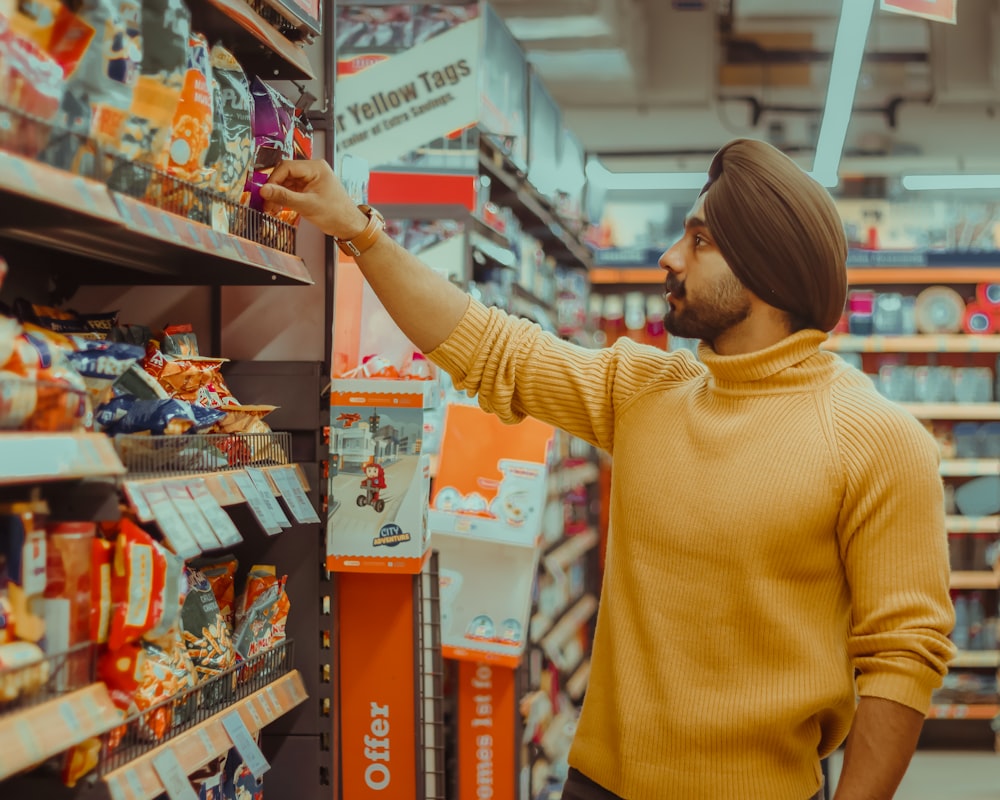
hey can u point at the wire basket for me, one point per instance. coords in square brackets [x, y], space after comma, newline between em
[157, 456]
[40, 681]
[166, 720]
[29, 136]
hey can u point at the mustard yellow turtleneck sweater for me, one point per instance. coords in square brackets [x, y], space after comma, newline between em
[776, 525]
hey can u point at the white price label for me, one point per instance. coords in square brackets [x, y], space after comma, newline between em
[69, 716]
[135, 784]
[206, 742]
[174, 529]
[24, 733]
[245, 744]
[173, 776]
[116, 790]
[269, 712]
[192, 516]
[256, 502]
[225, 530]
[138, 501]
[273, 506]
[255, 715]
[294, 495]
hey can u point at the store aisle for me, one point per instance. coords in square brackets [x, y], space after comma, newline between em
[944, 776]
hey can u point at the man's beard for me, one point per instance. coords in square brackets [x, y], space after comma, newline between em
[707, 318]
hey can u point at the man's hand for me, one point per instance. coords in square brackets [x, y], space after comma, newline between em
[311, 189]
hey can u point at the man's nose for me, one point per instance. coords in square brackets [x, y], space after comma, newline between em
[670, 260]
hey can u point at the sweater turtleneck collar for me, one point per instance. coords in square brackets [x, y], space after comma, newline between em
[794, 362]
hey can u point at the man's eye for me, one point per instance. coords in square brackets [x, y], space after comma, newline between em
[699, 240]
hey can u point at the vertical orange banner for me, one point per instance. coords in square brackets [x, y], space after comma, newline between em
[487, 750]
[378, 722]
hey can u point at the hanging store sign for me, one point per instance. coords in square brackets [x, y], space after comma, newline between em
[395, 106]
[936, 10]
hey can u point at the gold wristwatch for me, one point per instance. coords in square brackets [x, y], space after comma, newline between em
[359, 244]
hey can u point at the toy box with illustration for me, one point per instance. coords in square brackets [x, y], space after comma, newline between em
[491, 482]
[379, 478]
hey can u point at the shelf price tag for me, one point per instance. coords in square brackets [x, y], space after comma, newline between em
[294, 495]
[135, 496]
[245, 744]
[264, 487]
[256, 503]
[222, 525]
[173, 776]
[135, 784]
[189, 511]
[173, 526]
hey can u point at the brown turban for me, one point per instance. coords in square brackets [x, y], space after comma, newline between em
[779, 231]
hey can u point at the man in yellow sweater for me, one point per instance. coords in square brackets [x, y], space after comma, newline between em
[777, 573]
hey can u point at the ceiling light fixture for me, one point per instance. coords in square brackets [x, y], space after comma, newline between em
[845, 67]
[643, 181]
[917, 183]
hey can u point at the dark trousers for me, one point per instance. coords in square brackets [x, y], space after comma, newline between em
[579, 787]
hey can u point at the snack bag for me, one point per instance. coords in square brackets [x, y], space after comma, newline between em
[99, 89]
[174, 592]
[273, 133]
[204, 630]
[170, 417]
[191, 128]
[222, 577]
[142, 674]
[180, 340]
[100, 364]
[56, 320]
[145, 132]
[138, 573]
[195, 379]
[30, 81]
[26, 668]
[102, 559]
[232, 144]
[261, 613]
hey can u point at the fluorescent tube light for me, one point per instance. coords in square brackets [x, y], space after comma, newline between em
[639, 181]
[845, 67]
[924, 182]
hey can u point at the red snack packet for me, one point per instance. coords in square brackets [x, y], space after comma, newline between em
[138, 574]
[102, 556]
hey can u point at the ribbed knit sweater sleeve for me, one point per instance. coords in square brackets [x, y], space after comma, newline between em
[516, 369]
[895, 552]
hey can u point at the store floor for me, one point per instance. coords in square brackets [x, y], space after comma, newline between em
[947, 775]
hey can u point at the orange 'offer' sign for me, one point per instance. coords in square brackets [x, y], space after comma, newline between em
[486, 740]
[378, 708]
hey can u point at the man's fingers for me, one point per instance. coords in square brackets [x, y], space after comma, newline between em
[290, 168]
[278, 197]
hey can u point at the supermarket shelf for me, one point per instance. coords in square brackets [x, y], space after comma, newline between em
[957, 343]
[39, 732]
[572, 549]
[960, 711]
[488, 250]
[969, 467]
[938, 274]
[570, 623]
[139, 780]
[527, 296]
[577, 684]
[975, 579]
[565, 478]
[856, 276]
[957, 524]
[108, 238]
[529, 206]
[954, 411]
[976, 658]
[258, 45]
[36, 457]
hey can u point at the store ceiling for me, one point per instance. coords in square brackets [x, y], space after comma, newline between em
[660, 84]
